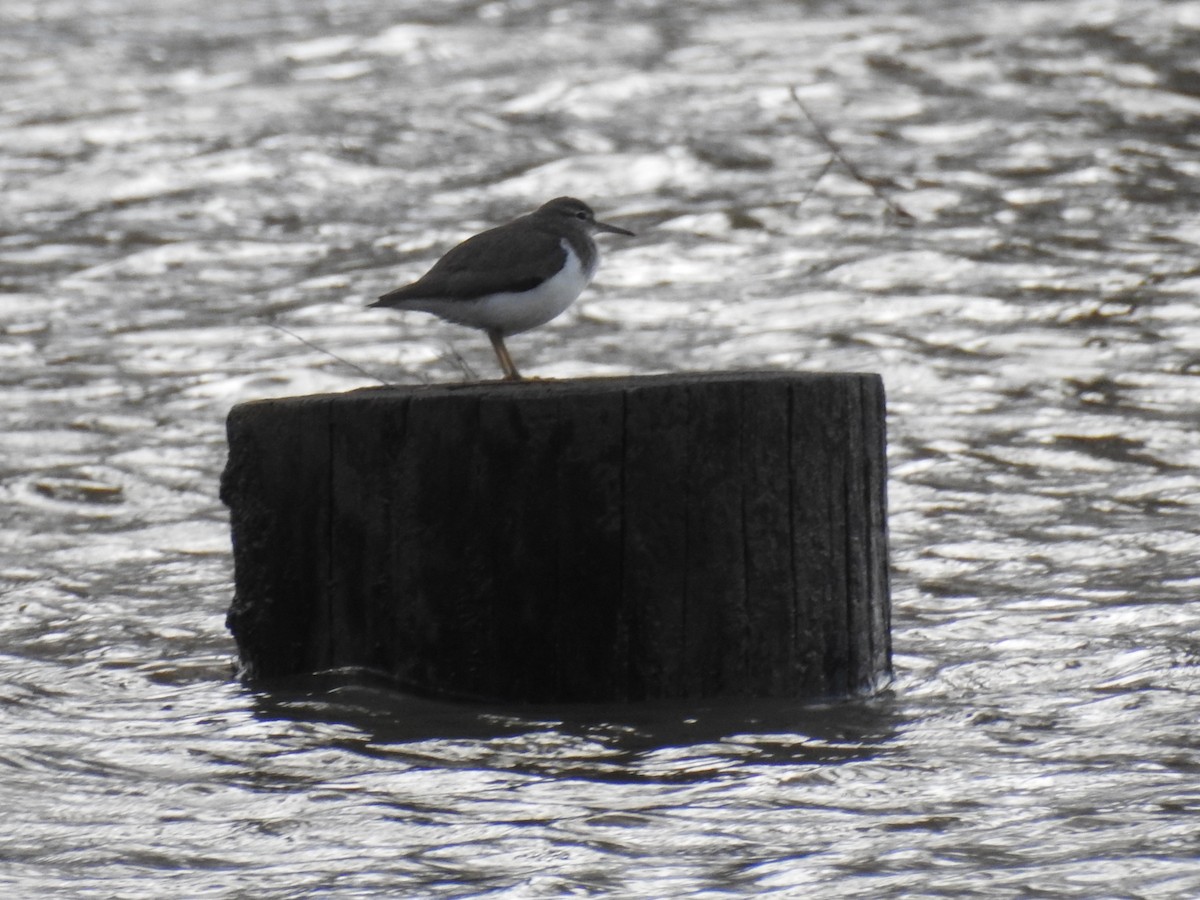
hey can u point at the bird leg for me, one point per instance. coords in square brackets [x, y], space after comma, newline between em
[506, 363]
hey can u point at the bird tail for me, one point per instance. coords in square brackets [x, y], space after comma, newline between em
[391, 298]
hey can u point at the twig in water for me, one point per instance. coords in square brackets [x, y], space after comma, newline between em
[812, 188]
[823, 136]
[345, 362]
[459, 360]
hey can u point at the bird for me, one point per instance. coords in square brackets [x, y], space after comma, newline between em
[513, 277]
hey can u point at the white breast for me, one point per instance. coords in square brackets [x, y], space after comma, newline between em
[512, 313]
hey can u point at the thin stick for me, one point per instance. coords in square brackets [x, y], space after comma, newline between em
[459, 360]
[345, 362]
[812, 188]
[823, 136]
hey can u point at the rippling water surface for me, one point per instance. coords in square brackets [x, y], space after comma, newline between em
[179, 177]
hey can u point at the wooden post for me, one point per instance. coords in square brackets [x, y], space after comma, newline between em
[673, 536]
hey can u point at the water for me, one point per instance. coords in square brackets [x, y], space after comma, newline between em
[177, 177]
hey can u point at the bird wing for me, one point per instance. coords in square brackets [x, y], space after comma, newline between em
[500, 260]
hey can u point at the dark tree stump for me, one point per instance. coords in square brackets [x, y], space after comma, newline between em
[685, 536]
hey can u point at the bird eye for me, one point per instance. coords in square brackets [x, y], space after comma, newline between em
[581, 215]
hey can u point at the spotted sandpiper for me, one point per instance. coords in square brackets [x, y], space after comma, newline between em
[514, 277]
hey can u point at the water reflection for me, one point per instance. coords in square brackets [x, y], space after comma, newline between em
[623, 742]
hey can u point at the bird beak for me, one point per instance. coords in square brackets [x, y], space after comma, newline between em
[612, 229]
